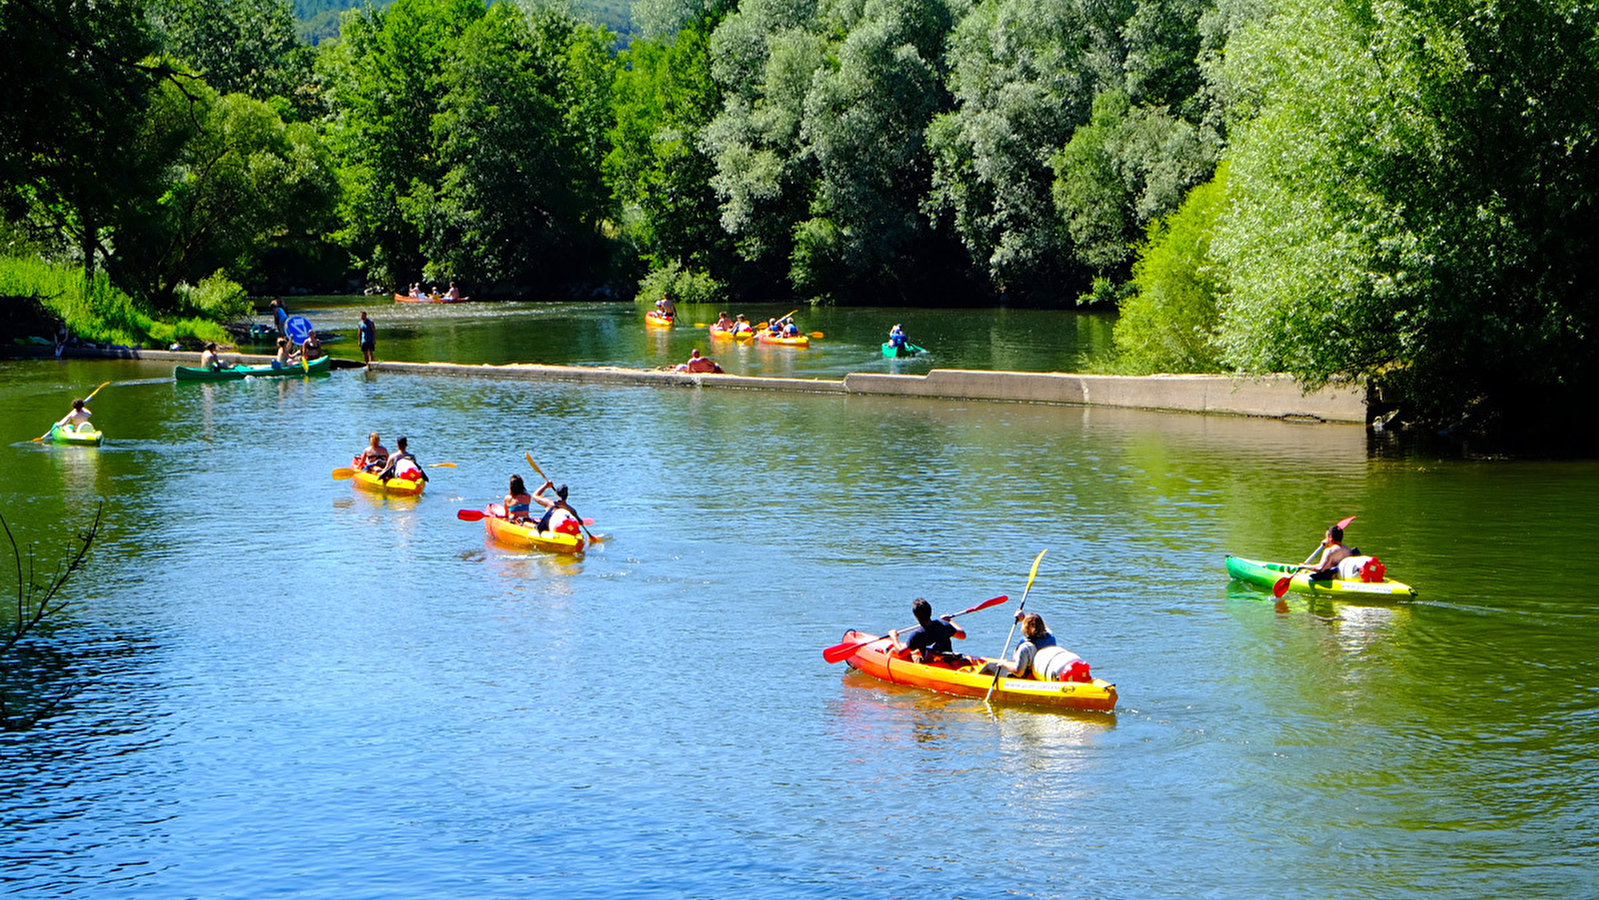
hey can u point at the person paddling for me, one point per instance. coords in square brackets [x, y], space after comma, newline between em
[402, 464]
[1038, 655]
[1333, 552]
[209, 358]
[930, 640]
[77, 418]
[558, 514]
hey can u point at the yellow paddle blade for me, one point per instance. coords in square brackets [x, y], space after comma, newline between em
[441, 465]
[535, 466]
[1034, 573]
[341, 474]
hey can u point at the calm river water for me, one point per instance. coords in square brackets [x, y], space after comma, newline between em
[285, 687]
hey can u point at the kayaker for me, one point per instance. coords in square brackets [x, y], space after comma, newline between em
[1333, 552]
[723, 323]
[402, 464]
[282, 359]
[369, 337]
[209, 358]
[311, 350]
[373, 456]
[666, 307]
[1038, 655]
[454, 293]
[742, 325]
[896, 337]
[517, 500]
[76, 419]
[558, 514]
[930, 641]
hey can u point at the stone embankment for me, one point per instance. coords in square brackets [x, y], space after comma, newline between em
[1269, 396]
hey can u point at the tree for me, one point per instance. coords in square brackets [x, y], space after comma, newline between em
[240, 47]
[1415, 200]
[37, 600]
[1169, 324]
[387, 82]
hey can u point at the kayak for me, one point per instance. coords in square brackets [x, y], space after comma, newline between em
[657, 320]
[1265, 575]
[86, 437]
[1096, 694]
[891, 351]
[783, 340]
[722, 334]
[319, 366]
[527, 535]
[394, 487]
[407, 298]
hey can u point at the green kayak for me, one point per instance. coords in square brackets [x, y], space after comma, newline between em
[320, 366]
[87, 435]
[892, 352]
[1265, 574]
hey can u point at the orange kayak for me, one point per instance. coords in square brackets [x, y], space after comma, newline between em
[394, 487]
[656, 320]
[798, 340]
[1096, 694]
[526, 534]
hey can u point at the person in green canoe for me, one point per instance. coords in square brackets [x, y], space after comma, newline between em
[209, 358]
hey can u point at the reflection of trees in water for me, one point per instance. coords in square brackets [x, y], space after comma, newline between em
[30, 668]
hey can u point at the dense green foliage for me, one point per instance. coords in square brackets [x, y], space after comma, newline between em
[1407, 196]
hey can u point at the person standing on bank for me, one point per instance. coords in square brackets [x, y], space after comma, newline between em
[369, 337]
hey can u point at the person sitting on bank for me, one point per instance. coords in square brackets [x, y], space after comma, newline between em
[1038, 655]
[284, 354]
[558, 515]
[517, 501]
[699, 364]
[209, 358]
[373, 456]
[402, 464]
[77, 418]
[896, 336]
[929, 642]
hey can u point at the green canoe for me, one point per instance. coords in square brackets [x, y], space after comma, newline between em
[59, 435]
[320, 366]
[1265, 574]
[890, 351]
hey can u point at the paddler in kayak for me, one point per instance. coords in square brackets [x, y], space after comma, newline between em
[1333, 552]
[402, 465]
[373, 456]
[1040, 656]
[77, 418]
[558, 514]
[929, 642]
[517, 501]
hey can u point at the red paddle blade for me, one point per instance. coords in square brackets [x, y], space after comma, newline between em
[1281, 587]
[1344, 523]
[470, 515]
[1002, 598]
[841, 652]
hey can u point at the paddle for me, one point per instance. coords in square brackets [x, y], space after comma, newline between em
[1281, 587]
[478, 515]
[1006, 649]
[441, 465]
[85, 403]
[593, 538]
[842, 651]
[343, 473]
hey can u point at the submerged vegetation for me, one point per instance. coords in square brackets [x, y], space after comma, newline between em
[1399, 195]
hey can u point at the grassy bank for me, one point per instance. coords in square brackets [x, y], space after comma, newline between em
[95, 311]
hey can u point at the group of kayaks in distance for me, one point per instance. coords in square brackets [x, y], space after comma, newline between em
[782, 331]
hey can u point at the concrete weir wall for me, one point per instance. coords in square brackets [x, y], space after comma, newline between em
[1275, 396]
[1272, 396]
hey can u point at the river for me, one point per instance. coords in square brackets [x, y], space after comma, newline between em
[283, 687]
